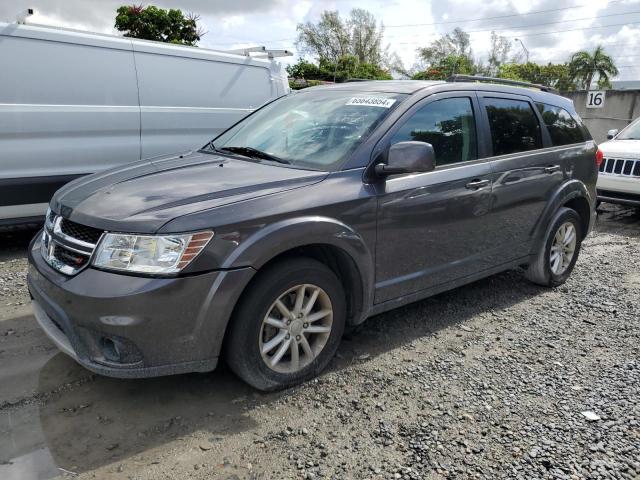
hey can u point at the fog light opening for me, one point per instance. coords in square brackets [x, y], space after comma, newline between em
[110, 350]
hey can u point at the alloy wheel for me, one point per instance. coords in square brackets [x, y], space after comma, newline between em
[296, 328]
[563, 248]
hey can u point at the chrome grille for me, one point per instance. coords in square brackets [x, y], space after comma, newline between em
[80, 232]
[68, 246]
[620, 166]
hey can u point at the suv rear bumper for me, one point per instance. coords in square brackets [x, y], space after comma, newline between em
[132, 327]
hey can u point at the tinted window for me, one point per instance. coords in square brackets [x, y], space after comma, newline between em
[514, 126]
[448, 125]
[562, 127]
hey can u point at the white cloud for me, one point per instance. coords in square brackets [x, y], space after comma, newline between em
[233, 21]
[240, 23]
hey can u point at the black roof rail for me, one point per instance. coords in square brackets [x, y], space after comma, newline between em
[501, 81]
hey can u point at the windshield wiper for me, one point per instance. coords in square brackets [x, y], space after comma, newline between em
[254, 153]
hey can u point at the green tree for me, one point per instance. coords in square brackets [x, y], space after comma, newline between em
[585, 66]
[153, 23]
[366, 37]
[336, 41]
[552, 75]
[304, 69]
[498, 53]
[347, 67]
[329, 39]
[447, 66]
[457, 43]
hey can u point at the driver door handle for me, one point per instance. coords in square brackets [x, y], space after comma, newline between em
[477, 184]
[552, 169]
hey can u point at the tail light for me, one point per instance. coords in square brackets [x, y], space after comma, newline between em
[599, 158]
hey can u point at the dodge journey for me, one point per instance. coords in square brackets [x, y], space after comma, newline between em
[318, 210]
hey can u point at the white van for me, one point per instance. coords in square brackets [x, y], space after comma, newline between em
[74, 103]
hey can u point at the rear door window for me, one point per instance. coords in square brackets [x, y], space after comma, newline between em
[448, 125]
[514, 126]
[563, 128]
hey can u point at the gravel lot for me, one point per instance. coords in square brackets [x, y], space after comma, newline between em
[498, 379]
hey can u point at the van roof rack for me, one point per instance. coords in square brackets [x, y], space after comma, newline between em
[261, 51]
[502, 81]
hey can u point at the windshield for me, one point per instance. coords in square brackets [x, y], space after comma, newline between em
[632, 132]
[313, 129]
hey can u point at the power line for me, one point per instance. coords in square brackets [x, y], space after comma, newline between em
[542, 33]
[448, 22]
[524, 27]
[574, 30]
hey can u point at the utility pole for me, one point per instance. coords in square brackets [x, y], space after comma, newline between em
[526, 52]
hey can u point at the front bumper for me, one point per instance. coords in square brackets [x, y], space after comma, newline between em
[619, 189]
[131, 327]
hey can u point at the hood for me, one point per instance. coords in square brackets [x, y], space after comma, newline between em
[141, 197]
[622, 148]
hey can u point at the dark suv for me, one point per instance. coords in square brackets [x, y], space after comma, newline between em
[315, 212]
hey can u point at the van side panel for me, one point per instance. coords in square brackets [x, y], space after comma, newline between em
[66, 109]
[186, 101]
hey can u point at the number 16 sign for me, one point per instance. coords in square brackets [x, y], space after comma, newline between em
[595, 99]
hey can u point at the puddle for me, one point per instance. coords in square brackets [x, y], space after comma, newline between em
[62, 418]
[35, 465]
[23, 453]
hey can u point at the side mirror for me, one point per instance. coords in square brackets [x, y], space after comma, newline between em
[612, 133]
[408, 157]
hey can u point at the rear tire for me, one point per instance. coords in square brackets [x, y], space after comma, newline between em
[275, 339]
[553, 263]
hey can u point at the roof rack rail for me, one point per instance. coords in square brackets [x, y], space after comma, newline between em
[502, 81]
[262, 51]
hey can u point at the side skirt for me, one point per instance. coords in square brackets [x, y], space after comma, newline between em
[429, 292]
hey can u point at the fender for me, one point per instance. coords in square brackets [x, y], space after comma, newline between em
[287, 234]
[566, 192]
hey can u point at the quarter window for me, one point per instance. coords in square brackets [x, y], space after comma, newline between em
[563, 128]
[514, 126]
[448, 125]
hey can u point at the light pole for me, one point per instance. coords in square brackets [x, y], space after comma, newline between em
[526, 52]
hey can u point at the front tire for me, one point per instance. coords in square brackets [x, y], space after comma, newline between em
[553, 263]
[288, 324]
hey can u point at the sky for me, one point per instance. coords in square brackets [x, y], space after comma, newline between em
[549, 29]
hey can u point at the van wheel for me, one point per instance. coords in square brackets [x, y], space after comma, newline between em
[555, 260]
[288, 324]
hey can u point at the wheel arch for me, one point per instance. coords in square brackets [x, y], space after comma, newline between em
[573, 194]
[580, 205]
[327, 240]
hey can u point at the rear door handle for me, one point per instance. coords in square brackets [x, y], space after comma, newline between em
[552, 169]
[476, 184]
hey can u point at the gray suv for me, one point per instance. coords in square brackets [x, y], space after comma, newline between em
[317, 211]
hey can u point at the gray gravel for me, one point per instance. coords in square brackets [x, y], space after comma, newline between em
[498, 379]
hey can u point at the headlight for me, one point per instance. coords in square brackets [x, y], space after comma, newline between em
[158, 254]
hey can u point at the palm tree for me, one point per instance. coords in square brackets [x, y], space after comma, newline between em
[584, 66]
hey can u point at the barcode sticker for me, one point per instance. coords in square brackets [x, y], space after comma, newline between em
[372, 101]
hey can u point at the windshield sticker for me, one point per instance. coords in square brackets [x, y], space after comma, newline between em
[372, 101]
